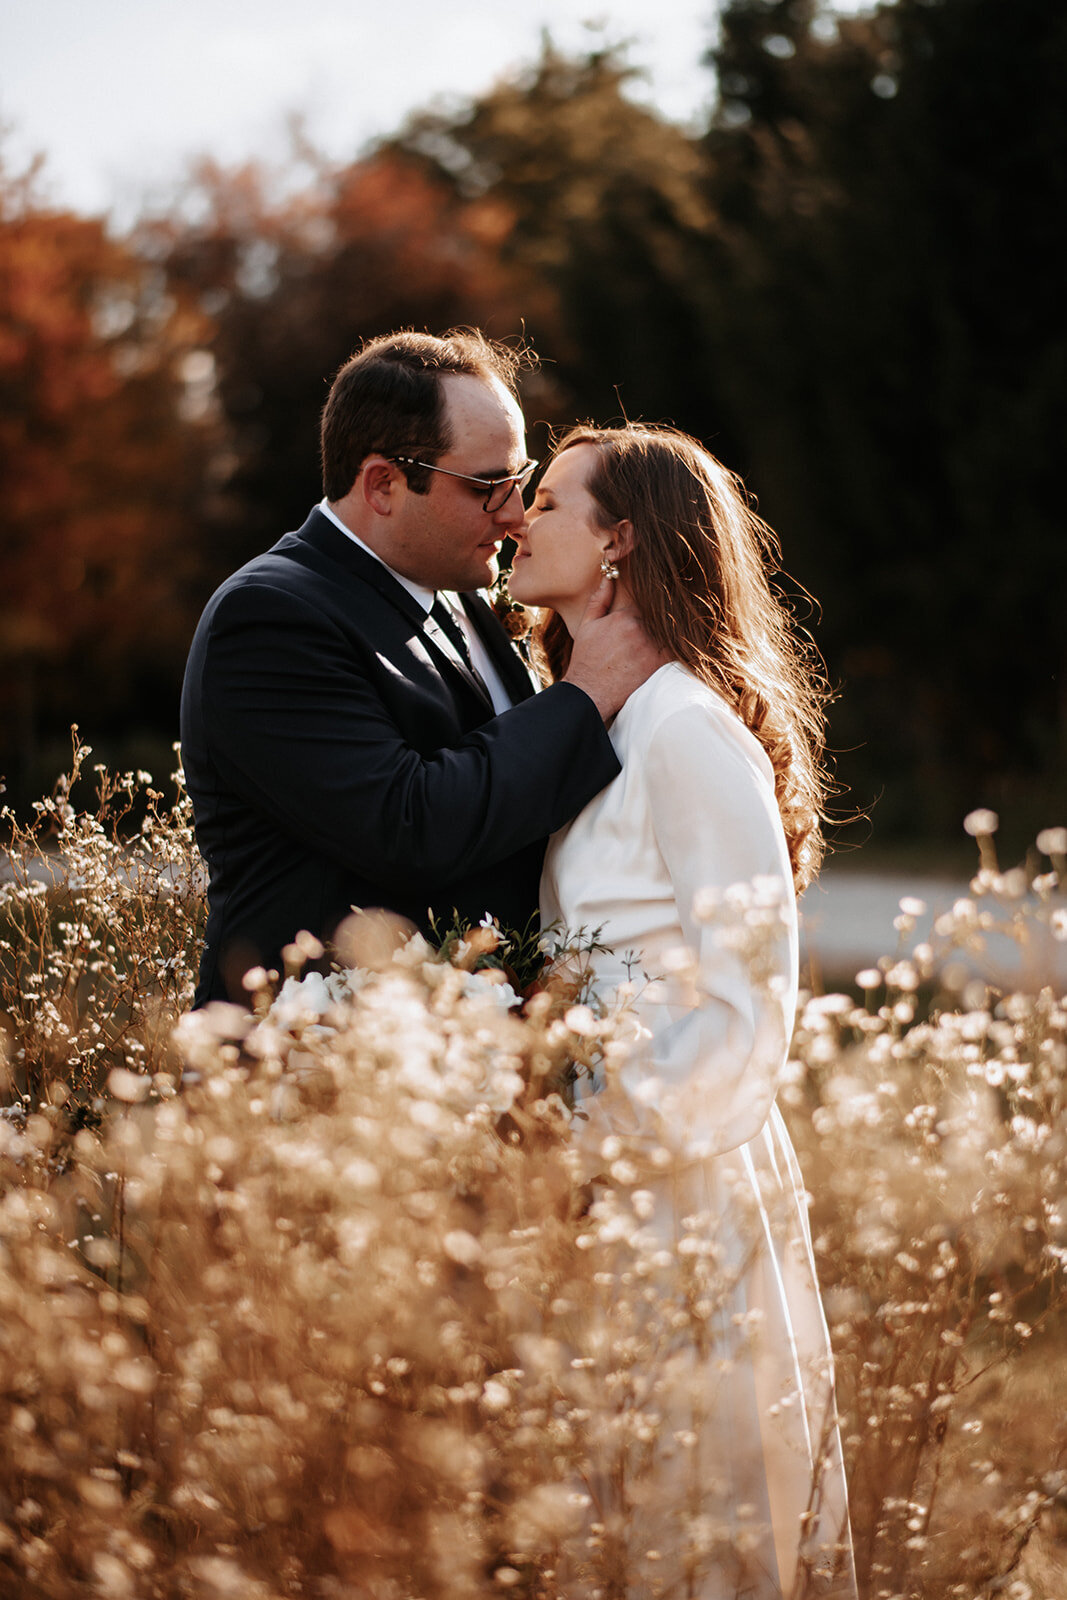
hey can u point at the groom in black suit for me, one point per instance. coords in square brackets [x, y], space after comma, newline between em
[357, 729]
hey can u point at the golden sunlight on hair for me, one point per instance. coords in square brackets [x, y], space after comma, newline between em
[699, 572]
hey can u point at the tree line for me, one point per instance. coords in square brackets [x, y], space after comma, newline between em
[848, 283]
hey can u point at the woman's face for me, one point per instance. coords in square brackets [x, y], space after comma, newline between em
[561, 543]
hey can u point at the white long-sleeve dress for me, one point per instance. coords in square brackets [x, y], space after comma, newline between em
[685, 850]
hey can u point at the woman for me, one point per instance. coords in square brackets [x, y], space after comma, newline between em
[698, 847]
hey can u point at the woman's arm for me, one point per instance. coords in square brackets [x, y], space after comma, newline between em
[706, 1082]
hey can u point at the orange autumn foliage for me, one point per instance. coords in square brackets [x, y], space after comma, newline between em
[94, 451]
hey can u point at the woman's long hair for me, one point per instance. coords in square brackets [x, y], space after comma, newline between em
[699, 574]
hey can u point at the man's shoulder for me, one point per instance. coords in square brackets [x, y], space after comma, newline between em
[270, 582]
[283, 564]
[305, 564]
[306, 550]
[313, 577]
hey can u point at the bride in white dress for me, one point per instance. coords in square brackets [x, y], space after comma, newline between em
[698, 845]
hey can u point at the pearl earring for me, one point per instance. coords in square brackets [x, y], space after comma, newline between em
[608, 567]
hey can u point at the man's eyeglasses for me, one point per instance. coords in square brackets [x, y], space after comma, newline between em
[497, 490]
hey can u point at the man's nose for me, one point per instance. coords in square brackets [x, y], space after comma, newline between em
[512, 512]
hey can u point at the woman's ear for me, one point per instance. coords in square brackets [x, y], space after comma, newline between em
[622, 540]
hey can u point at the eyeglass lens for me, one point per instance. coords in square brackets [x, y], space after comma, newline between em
[502, 492]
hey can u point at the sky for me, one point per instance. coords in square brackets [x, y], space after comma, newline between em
[119, 95]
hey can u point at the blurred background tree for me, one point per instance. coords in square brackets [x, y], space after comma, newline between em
[848, 284]
[291, 287]
[605, 221]
[897, 187]
[100, 467]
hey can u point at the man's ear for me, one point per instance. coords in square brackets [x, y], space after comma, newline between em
[622, 540]
[377, 484]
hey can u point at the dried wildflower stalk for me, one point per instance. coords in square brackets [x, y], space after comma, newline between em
[319, 1307]
[99, 930]
[932, 1129]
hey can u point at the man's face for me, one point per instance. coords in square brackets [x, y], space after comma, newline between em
[443, 539]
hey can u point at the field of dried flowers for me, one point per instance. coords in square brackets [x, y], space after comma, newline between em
[290, 1304]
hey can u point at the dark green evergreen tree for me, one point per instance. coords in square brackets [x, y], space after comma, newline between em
[896, 191]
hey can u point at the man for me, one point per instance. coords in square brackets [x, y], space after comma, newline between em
[344, 747]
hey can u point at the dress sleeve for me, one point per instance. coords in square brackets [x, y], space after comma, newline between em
[704, 1081]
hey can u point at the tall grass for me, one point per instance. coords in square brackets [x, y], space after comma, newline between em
[309, 1299]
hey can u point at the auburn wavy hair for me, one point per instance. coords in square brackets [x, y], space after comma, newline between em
[699, 571]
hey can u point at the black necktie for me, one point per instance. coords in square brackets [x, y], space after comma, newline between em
[449, 623]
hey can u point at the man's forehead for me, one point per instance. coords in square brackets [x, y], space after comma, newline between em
[483, 416]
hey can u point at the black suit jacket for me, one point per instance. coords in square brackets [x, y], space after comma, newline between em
[338, 754]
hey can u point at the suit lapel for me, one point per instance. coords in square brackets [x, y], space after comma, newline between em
[319, 532]
[514, 674]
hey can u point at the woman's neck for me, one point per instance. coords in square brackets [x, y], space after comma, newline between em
[571, 615]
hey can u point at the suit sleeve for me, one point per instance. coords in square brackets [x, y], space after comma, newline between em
[300, 729]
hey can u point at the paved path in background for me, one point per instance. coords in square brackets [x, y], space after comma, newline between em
[848, 916]
[847, 923]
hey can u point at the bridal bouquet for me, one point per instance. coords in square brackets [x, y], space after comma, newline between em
[500, 988]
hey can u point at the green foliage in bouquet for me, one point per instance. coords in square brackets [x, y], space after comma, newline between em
[519, 954]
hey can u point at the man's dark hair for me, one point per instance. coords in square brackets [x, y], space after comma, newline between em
[388, 398]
